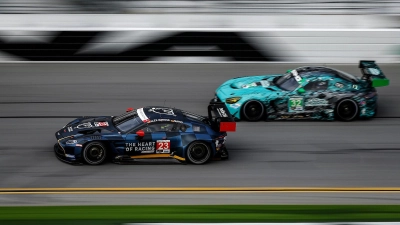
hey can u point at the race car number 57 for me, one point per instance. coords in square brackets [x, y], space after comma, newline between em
[163, 146]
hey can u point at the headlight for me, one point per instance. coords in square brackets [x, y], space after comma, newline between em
[71, 142]
[232, 100]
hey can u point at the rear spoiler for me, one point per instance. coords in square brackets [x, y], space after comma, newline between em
[371, 71]
[220, 117]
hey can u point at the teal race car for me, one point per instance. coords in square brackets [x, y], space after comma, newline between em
[309, 92]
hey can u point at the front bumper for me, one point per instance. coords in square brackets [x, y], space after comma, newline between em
[62, 157]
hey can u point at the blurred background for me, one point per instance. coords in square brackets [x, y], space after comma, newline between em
[36, 99]
[319, 31]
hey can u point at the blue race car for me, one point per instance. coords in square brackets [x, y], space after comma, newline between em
[146, 133]
[318, 93]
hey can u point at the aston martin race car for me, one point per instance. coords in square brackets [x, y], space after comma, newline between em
[309, 92]
[153, 132]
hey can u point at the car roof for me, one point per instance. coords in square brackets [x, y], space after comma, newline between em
[323, 70]
[162, 112]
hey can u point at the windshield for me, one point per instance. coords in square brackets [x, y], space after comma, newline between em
[287, 82]
[129, 124]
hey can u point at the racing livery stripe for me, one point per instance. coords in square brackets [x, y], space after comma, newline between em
[142, 115]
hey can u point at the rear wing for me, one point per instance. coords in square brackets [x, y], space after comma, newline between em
[220, 117]
[372, 72]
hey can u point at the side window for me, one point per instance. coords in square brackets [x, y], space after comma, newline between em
[182, 127]
[316, 86]
[160, 127]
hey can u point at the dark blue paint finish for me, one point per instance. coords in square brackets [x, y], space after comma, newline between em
[119, 134]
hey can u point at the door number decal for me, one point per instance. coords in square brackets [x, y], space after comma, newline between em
[163, 146]
[296, 104]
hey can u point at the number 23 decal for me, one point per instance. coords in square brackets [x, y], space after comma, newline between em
[163, 146]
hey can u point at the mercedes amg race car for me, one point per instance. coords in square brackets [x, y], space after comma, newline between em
[147, 133]
[319, 93]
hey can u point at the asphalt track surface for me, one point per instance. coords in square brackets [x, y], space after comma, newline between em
[38, 99]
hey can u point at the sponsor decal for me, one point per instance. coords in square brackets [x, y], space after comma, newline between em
[263, 83]
[296, 104]
[374, 71]
[101, 124]
[339, 85]
[355, 86]
[196, 128]
[142, 116]
[70, 156]
[317, 102]
[165, 120]
[84, 125]
[143, 147]
[219, 142]
[71, 142]
[222, 112]
[296, 76]
[166, 111]
[363, 111]
[70, 129]
[163, 146]
[249, 85]
[235, 106]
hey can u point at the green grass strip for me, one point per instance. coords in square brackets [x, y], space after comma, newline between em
[100, 215]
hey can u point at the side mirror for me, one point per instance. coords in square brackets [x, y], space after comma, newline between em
[301, 90]
[140, 133]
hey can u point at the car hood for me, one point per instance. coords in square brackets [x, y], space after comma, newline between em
[86, 125]
[248, 85]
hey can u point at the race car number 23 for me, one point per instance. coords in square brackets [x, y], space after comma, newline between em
[296, 104]
[163, 146]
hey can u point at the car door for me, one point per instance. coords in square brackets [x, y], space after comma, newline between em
[309, 98]
[315, 95]
[158, 138]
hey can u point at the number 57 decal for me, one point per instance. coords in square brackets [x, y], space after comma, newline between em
[163, 146]
[296, 104]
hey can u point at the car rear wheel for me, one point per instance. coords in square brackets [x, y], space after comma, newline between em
[347, 110]
[253, 110]
[198, 153]
[94, 153]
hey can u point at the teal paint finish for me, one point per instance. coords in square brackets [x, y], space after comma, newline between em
[313, 94]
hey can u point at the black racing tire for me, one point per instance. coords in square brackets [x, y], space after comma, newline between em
[347, 110]
[253, 110]
[198, 153]
[94, 153]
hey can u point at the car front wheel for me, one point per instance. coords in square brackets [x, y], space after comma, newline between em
[94, 153]
[253, 110]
